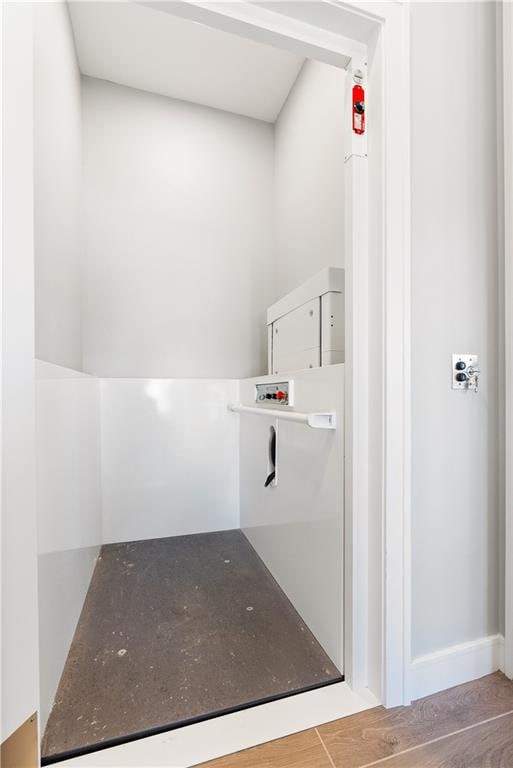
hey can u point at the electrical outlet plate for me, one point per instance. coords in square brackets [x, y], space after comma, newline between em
[470, 361]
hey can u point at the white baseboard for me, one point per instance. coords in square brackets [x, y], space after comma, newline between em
[455, 665]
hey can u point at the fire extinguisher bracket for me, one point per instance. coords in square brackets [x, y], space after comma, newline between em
[358, 108]
[355, 108]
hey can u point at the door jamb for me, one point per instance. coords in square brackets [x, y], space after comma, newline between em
[507, 53]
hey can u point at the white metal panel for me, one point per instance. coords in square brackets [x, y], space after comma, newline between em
[297, 338]
[63, 581]
[68, 458]
[328, 279]
[169, 457]
[299, 360]
[332, 328]
[269, 348]
[68, 511]
[297, 526]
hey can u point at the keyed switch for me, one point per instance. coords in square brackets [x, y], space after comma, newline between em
[465, 372]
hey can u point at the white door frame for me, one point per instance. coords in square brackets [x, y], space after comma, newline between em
[507, 52]
[377, 595]
[378, 588]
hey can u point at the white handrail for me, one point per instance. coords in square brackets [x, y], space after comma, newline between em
[315, 420]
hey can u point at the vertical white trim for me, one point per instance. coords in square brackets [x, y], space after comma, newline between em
[356, 228]
[507, 42]
[356, 424]
[501, 366]
[394, 20]
[19, 659]
[397, 577]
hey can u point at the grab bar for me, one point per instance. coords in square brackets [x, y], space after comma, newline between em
[315, 420]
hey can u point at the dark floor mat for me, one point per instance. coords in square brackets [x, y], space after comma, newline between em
[178, 628]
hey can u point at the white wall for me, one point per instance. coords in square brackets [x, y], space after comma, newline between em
[68, 510]
[57, 187]
[309, 177]
[454, 309]
[178, 216]
[19, 661]
[170, 459]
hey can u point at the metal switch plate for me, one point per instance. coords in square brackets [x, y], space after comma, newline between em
[460, 366]
[274, 393]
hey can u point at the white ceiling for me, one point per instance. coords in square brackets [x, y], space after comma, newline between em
[144, 48]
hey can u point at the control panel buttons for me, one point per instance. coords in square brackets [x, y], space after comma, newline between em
[278, 393]
[465, 372]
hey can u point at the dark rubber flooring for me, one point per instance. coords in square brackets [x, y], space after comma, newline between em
[178, 628]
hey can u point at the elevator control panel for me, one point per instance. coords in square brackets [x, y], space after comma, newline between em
[274, 393]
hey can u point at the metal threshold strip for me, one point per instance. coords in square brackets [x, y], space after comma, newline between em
[107, 744]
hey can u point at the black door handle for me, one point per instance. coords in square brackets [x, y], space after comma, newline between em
[270, 478]
[272, 457]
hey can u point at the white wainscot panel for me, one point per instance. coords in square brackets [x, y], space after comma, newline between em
[68, 458]
[169, 457]
[63, 581]
[297, 527]
[68, 510]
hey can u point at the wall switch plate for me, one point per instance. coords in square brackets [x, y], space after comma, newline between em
[460, 365]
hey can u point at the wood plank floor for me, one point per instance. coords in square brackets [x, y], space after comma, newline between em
[470, 726]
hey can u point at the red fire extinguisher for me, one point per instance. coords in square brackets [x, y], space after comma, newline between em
[358, 109]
